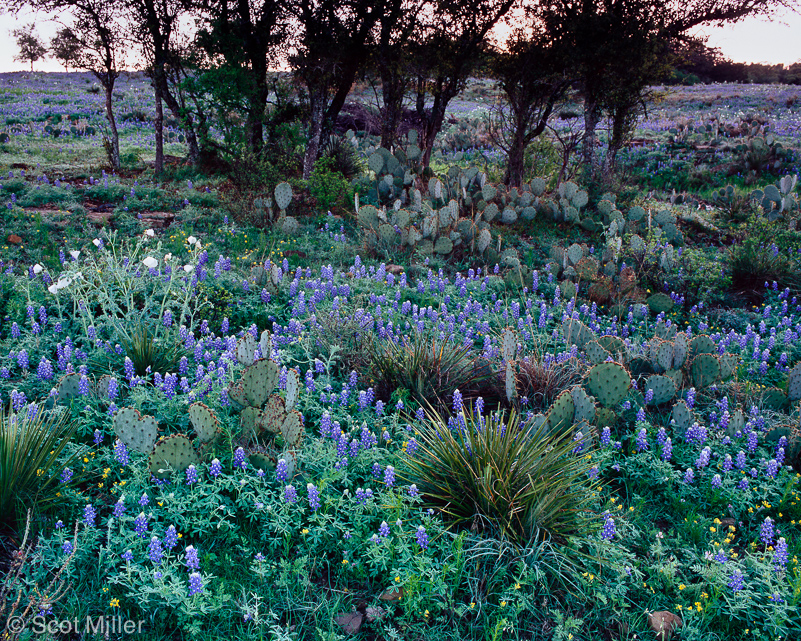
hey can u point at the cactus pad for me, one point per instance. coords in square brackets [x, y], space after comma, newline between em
[614, 345]
[272, 415]
[774, 399]
[575, 253]
[259, 380]
[509, 381]
[680, 346]
[587, 269]
[250, 419]
[682, 416]
[663, 387]
[705, 370]
[659, 303]
[246, 349]
[483, 240]
[583, 404]
[136, 431]
[237, 394]
[728, 365]
[595, 352]
[204, 421]
[292, 429]
[576, 332]
[701, 344]
[560, 416]
[69, 387]
[283, 195]
[172, 453]
[292, 388]
[609, 383]
[264, 344]
[509, 344]
[794, 383]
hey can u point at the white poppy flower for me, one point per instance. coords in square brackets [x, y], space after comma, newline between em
[167, 257]
[53, 288]
[75, 253]
[150, 233]
[188, 268]
[198, 245]
[96, 242]
[38, 269]
[191, 240]
[150, 262]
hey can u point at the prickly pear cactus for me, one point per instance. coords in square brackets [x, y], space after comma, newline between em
[283, 195]
[246, 349]
[174, 453]
[728, 365]
[701, 344]
[595, 352]
[663, 389]
[273, 414]
[249, 420]
[584, 405]
[509, 344]
[204, 421]
[292, 388]
[259, 380]
[237, 394]
[576, 332]
[659, 303]
[794, 383]
[614, 345]
[292, 429]
[264, 344]
[136, 431]
[680, 346]
[682, 416]
[609, 383]
[560, 416]
[705, 370]
[69, 387]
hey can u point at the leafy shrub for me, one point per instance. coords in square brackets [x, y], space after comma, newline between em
[763, 256]
[514, 481]
[328, 185]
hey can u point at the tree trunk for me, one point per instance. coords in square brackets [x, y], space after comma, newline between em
[257, 102]
[187, 123]
[432, 126]
[515, 167]
[317, 104]
[591, 119]
[114, 156]
[159, 165]
[392, 89]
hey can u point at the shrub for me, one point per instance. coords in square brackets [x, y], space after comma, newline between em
[327, 185]
[514, 481]
[541, 382]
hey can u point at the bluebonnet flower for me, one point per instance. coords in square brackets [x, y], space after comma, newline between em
[720, 557]
[689, 476]
[259, 557]
[743, 484]
[727, 463]
[314, 497]
[239, 458]
[144, 500]
[170, 538]
[140, 524]
[195, 583]
[413, 490]
[383, 530]
[642, 440]
[608, 532]
[89, 515]
[389, 476]
[717, 481]
[119, 507]
[772, 468]
[127, 556]
[154, 550]
[98, 437]
[191, 475]
[422, 537]
[281, 471]
[215, 469]
[736, 581]
[121, 453]
[667, 450]
[66, 475]
[191, 559]
[67, 547]
[740, 461]
[290, 494]
[59, 524]
[767, 531]
[780, 555]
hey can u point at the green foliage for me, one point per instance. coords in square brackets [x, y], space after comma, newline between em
[508, 479]
[32, 445]
[328, 186]
[149, 352]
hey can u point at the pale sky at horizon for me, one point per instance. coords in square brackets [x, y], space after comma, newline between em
[776, 41]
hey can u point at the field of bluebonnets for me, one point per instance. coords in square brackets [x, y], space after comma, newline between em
[313, 412]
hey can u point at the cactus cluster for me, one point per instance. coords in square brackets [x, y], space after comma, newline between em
[173, 453]
[263, 208]
[779, 200]
[263, 411]
[69, 387]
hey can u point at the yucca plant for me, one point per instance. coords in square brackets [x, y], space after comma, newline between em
[429, 367]
[512, 480]
[541, 382]
[146, 350]
[31, 445]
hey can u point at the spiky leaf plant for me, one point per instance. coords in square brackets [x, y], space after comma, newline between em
[31, 446]
[512, 480]
[429, 367]
[146, 350]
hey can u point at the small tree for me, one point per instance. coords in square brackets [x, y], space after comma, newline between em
[66, 47]
[31, 47]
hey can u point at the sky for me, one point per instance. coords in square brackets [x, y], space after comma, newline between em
[776, 41]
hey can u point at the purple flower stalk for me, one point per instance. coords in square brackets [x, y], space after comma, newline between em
[195, 583]
[215, 469]
[422, 537]
[191, 558]
[608, 532]
[170, 538]
[314, 497]
[290, 494]
[155, 552]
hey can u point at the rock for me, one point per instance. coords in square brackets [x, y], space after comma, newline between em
[664, 624]
[350, 622]
[13, 239]
[391, 594]
[374, 614]
[397, 270]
